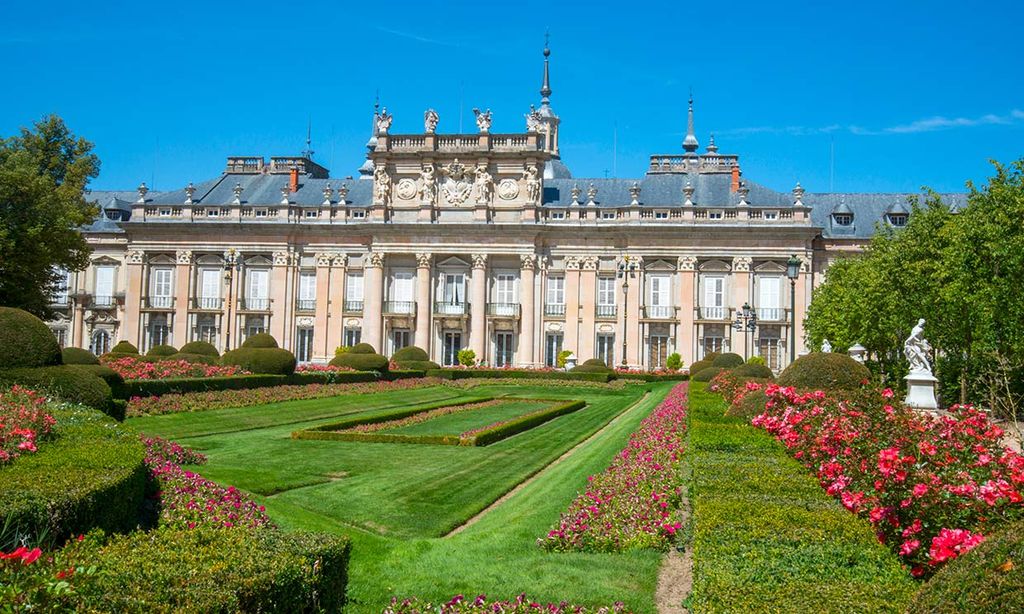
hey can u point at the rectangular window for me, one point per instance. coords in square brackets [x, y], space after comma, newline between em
[312, 214]
[399, 339]
[304, 345]
[661, 215]
[209, 289]
[714, 215]
[658, 290]
[556, 290]
[402, 283]
[159, 332]
[606, 291]
[160, 288]
[260, 213]
[354, 287]
[552, 346]
[768, 298]
[62, 290]
[358, 214]
[658, 346]
[255, 325]
[503, 349]
[257, 290]
[352, 337]
[714, 339]
[557, 215]
[505, 288]
[452, 345]
[714, 298]
[307, 291]
[607, 215]
[606, 348]
[165, 213]
[454, 291]
[771, 215]
[104, 294]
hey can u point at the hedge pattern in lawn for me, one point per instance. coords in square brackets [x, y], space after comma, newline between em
[522, 604]
[634, 503]
[92, 474]
[930, 485]
[25, 341]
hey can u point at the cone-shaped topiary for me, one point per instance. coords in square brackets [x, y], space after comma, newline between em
[594, 365]
[25, 341]
[78, 356]
[261, 341]
[199, 347]
[727, 361]
[160, 351]
[825, 370]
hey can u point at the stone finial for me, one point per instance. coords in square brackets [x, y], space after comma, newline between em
[285, 190]
[688, 193]
[591, 194]
[798, 194]
[189, 191]
[237, 191]
[690, 143]
[533, 123]
[483, 120]
[826, 346]
[634, 193]
[545, 88]
[342, 193]
[142, 192]
[384, 120]
[712, 148]
[328, 192]
[575, 191]
[743, 192]
[430, 119]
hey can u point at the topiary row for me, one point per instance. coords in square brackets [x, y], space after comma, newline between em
[260, 354]
[414, 359]
[824, 371]
[362, 357]
[594, 365]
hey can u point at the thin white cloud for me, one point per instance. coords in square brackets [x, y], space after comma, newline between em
[928, 124]
[417, 37]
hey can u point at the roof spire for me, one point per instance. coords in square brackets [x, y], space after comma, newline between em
[308, 153]
[690, 142]
[545, 88]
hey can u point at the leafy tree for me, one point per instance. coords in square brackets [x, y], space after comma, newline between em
[674, 362]
[466, 358]
[43, 174]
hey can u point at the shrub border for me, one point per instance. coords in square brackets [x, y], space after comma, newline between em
[456, 374]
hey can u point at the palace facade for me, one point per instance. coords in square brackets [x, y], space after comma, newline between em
[482, 241]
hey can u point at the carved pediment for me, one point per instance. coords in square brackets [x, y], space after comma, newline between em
[770, 267]
[453, 261]
[210, 259]
[258, 260]
[715, 266]
[660, 265]
[161, 259]
[105, 260]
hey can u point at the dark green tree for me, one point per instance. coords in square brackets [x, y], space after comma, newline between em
[43, 175]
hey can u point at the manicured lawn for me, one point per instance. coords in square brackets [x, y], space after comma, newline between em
[767, 537]
[460, 422]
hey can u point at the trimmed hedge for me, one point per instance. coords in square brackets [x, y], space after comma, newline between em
[410, 352]
[751, 405]
[91, 476]
[199, 347]
[161, 351]
[825, 370]
[361, 361]
[653, 377]
[124, 347]
[202, 359]
[754, 370]
[71, 383]
[158, 387]
[361, 348]
[989, 578]
[328, 377]
[706, 374]
[214, 570]
[525, 423]
[454, 374]
[397, 374]
[699, 366]
[78, 356]
[262, 341]
[25, 341]
[594, 365]
[727, 361]
[274, 361]
[111, 377]
[334, 427]
[417, 365]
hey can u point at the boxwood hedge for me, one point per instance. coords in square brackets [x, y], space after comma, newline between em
[91, 476]
[25, 341]
[275, 361]
[453, 374]
[361, 361]
[179, 385]
[727, 361]
[594, 365]
[204, 348]
[71, 383]
[161, 351]
[78, 356]
[706, 374]
[824, 370]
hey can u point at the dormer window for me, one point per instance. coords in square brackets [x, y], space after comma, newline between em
[661, 215]
[212, 212]
[259, 213]
[358, 214]
[898, 220]
[771, 215]
[113, 215]
[312, 214]
[842, 219]
[557, 215]
[715, 215]
[165, 212]
[607, 215]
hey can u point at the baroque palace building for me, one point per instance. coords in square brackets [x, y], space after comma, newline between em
[482, 241]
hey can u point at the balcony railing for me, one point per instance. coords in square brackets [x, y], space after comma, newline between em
[553, 309]
[353, 307]
[445, 308]
[400, 307]
[159, 302]
[713, 313]
[771, 314]
[208, 302]
[305, 304]
[254, 304]
[503, 310]
[103, 300]
[659, 312]
[60, 300]
[605, 311]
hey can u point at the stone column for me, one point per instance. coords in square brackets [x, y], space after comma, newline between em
[373, 300]
[572, 305]
[278, 298]
[687, 266]
[182, 292]
[321, 353]
[588, 307]
[78, 326]
[478, 306]
[803, 291]
[335, 314]
[423, 303]
[634, 339]
[526, 311]
[741, 295]
[132, 299]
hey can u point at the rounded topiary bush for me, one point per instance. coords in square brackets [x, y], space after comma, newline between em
[824, 370]
[361, 361]
[753, 370]
[124, 347]
[203, 348]
[699, 366]
[989, 578]
[706, 374]
[727, 361]
[71, 383]
[749, 406]
[275, 361]
[78, 356]
[260, 341]
[409, 352]
[362, 348]
[195, 358]
[161, 351]
[594, 365]
[25, 341]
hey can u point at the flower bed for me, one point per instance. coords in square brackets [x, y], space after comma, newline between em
[219, 399]
[132, 368]
[931, 486]
[421, 417]
[521, 604]
[634, 503]
[314, 368]
[24, 422]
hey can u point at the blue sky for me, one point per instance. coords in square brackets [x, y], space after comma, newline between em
[907, 93]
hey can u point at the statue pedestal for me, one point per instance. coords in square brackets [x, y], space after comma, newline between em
[921, 391]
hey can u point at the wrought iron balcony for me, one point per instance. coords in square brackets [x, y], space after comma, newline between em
[400, 307]
[605, 311]
[771, 314]
[353, 307]
[159, 302]
[59, 300]
[714, 313]
[211, 303]
[103, 300]
[659, 312]
[503, 310]
[554, 309]
[254, 304]
[305, 304]
[446, 308]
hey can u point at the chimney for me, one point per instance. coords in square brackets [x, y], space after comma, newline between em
[734, 186]
[293, 181]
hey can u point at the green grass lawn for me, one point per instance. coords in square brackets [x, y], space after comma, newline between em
[460, 422]
[767, 538]
[398, 501]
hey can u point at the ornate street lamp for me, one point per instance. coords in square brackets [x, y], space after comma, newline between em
[792, 272]
[231, 264]
[627, 270]
[746, 321]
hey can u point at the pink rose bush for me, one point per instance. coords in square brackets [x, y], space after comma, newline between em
[24, 423]
[314, 368]
[520, 605]
[188, 500]
[931, 486]
[634, 503]
[130, 368]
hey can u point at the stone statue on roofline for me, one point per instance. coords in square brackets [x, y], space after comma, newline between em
[430, 119]
[483, 120]
[916, 349]
[826, 346]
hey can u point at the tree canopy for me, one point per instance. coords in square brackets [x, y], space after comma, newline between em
[44, 171]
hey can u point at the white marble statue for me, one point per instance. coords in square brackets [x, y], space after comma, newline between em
[381, 186]
[430, 119]
[532, 183]
[484, 185]
[916, 349]
[428, 187]
[826, 346]
[533, 120]
[483, 120]
[383, 121]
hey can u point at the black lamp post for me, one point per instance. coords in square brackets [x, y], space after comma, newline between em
[627, 270]
[231, 264]
[792, 272]
[746, 321]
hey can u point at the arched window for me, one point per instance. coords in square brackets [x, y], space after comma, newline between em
[100, 342]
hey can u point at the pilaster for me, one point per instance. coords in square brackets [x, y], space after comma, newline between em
[478, 306]
[321, 353]
[279, 297]
[685, 335]
[132, 296]
[423, 302]
[588, 307]
[741, 295]
[527, 327]
[572, 305]
[336, 307]
[182, 292]
[373, 297]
